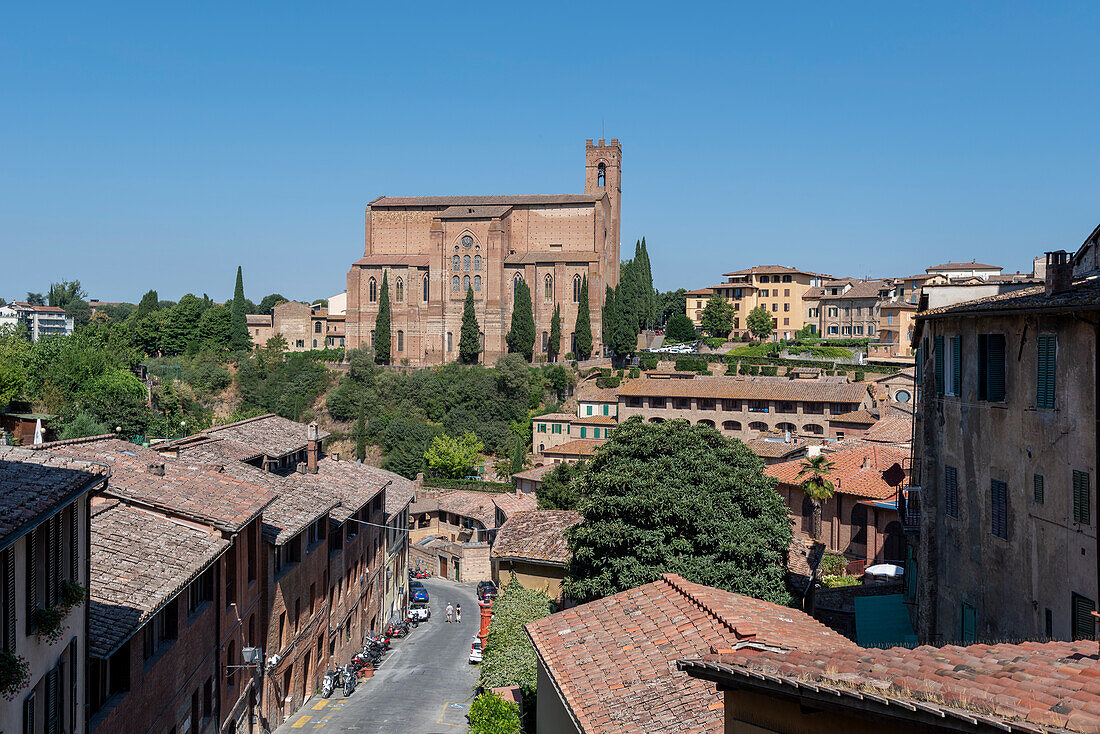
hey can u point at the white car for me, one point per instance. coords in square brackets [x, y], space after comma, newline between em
[475, 652]
[420, 612]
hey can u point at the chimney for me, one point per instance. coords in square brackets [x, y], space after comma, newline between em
[157, 470]
[866, 462]
[1059, 272]
[335, 455]
[313, 449]
[300, 468]
[269, 465]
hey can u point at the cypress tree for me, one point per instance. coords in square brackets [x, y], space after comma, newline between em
[150, 302]
[239, 338]
[469, 342]
[519, 456]
[583, 328]
[650, 301]
[382, 324]
[521, 335]
[620, 333]
[555, 335]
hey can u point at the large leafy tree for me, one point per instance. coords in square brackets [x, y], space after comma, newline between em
[36, 299]
[212, 332]
[669, 304]
[557, 491]
[680, 329]
[469, 339]
[181, 329]
[717, 317]
[521, 335]
[14, 353]
[814, 473]
[453, 458]
[149, 303]
[759, 322]
[63, 293]
[673, 497]
[382, 336]
[239, 338]
[270, 301]
[583, 328]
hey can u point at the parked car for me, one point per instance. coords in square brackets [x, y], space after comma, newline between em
[417, 592]
[486, 590]
[420, 612]
[475, 652]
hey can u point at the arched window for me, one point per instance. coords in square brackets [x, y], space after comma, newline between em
[576, 289]
[465, 283]
[656, 420]
[477, 263]
[731, 426]
[706, 422]
[400, 340]
[601, 175]
[813, 428]
[787, 427]
[450, 342]
[316, 327]
[466, 263]
[548, 288]
[477, 284]
[764, 279]
[545, 341]
[372, 338]
[758, 426]
[515, 285]
[454, 284]
[400, 291]
[425, 289]
[373, 289]
[455, 263]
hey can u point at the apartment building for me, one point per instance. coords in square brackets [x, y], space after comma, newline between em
[777, 288]
[40, 320]
[895, 329]
[960, 271]
[1006, 448]
[44, 504]
[850, 309]
[304, 326]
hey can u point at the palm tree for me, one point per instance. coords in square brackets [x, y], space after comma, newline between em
[816, 485]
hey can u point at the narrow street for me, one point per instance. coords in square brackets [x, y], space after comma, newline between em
[424, 685]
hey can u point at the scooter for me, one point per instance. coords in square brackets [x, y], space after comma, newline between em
[328, 683]
[349, 681]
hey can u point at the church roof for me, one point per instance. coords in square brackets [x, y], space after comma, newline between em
[475, 201]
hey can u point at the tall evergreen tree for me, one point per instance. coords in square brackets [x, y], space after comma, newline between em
[620, 324]
[382, 342]
[582, 330]
[239, 338]
[469, 341]
[148, 304]
[554, 347]
[650, 302]
[521, 335]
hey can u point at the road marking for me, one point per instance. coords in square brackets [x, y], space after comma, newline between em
[320, 704]
[447, 706]
[300, 723]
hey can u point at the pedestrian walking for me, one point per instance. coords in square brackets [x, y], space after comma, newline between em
[458, 613]
[450, 611]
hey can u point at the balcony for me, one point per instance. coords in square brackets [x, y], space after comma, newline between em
[909, 509]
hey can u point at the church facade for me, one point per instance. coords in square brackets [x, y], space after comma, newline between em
[433, 248]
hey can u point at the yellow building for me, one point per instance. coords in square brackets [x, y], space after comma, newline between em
[777, 288]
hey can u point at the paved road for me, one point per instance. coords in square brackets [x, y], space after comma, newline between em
[424, 685]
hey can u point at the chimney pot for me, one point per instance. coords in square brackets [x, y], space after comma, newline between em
[1059, 272]
[313, 449]
[301, 468]
[156, 470]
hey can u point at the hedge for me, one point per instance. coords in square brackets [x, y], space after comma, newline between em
[509, 658]
[605, 382]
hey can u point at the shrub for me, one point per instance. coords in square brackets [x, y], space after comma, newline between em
[604, 382]
[691, 364]
[570, 358]
[832, 564]
[509, 658]
[648, 362]
[859, 376]
[491, 714]
[634, 372]
[837, 581]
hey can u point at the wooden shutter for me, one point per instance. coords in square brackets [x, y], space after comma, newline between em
[956, 364]
[983, 366]
[951, 491]
[32, 578]
[1044, 384]
[999, 508]
[53, 559]
[9, 599]
[938, 355]
[74, 544]
[1084, 626]
[52, 719]
[1082, 507]
[28, 714]
[1038, 482]
[969, 631]
[996, 368]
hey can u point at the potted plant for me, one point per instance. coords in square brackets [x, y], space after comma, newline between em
[15, 674]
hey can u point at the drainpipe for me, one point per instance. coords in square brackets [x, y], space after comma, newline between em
[1096, 436]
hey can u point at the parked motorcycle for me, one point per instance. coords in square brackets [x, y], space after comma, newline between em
[328, 683]
[349, 681]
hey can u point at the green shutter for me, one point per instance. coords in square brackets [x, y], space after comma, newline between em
[996, 369]
[983, 366]
[1082, 507]
[583, 431]
[1083, 621]
[969, 624]
[938, 355]
[1039, 486]
[956, 364]
[998, 494]
[1044, 386]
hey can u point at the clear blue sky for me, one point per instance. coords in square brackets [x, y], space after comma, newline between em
[157, 145]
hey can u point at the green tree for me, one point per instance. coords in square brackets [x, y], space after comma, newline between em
[669, 304]
[382, 340]
[83, 425]
[180, 334]
[63, 293]
[521, 335]
[79, 311]
[619, 325]
[717, 317]
[673, 497]
[453, 458]
[270, 301]
[469, 340]
[491, 714]
[359, 433]
[239, 338]
[212, 333]
[509, 657]
[759, 323]
[554, 346]
[582, 331]
[14, 352]
[557, 491]
[680, 329]
[649, 303]
[814, 472]
[519, 457]
[36, 299]
[147, 305]
[116, 399]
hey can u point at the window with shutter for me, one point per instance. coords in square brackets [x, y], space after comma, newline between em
[956, 365]
[1038, 483]
[9, 599]
[996, 368]
[1084, 625]
[53, 572]
[951, 491]
[74, 545]
[28, 714]
[983, 366]
[999, 508]
[1046, 346]
[31, 578]
[969, 626]
[1082, 507]
[53, 720]
[938, 357]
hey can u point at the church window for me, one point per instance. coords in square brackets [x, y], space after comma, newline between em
[477, 263]
[467, 240]
[466, 263]
[454, 263]
[400, 340]
[477, 284]
[465, 283]
[545, 342]
[317, 327]
[372, 338]
[454, 284]
[400, 290]
[601, 176]
[548, 289]
[450, 342]
[515, 285]
[373, 290]
[576, 289]
[425, 289]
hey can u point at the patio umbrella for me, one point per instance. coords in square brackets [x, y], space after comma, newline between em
[38, 437]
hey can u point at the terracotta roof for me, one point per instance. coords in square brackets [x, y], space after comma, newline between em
[536, 474]
[511, 503]
[258, 319]
[775, 449]
[190, 491]
[407, 261]
[35, 483]
[536, 535]
[891, 428]
[963, 266]
[769, 269]
[589, 392]
[1026, 687]
[859, 289]
[815, 292]
[699, 292]
[551, 256]
[748, 389]
[910, 372]
[1084, 295]
[475, 211]
[511, 200]
[208, 448]
[468, 503]
[398, 496]
[354, 485]
[595, 420]
[856, 471]
[899, 305]
[140, 561]
[861, 416]
[268, 434]
[578, 447]
[611, 660]
[564, 417]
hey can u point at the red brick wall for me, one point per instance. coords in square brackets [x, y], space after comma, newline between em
[242, 622]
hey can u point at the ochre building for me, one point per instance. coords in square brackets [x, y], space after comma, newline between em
[433, 248]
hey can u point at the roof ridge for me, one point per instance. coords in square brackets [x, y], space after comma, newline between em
[678, 583]
[241, 422]
[71, 441]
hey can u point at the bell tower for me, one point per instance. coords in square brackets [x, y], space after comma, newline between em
[603, 173]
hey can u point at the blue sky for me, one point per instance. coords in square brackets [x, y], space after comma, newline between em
[155, 145]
